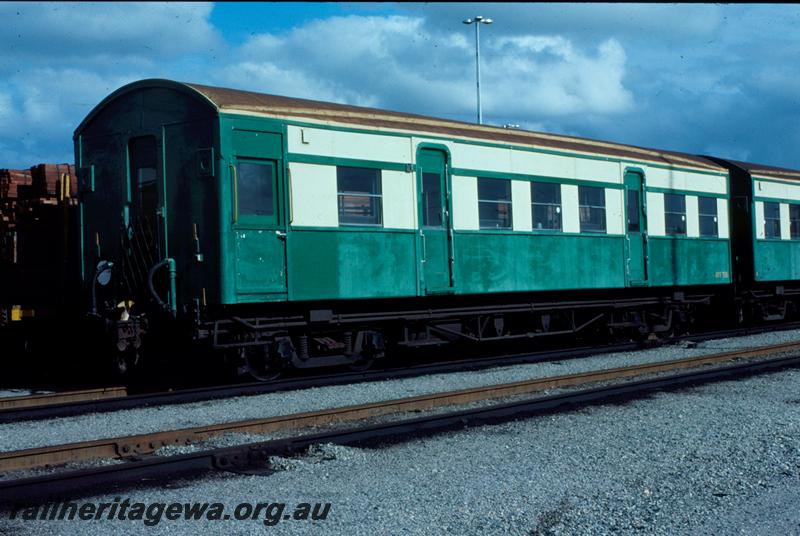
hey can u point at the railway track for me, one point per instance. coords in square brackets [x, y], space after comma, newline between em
[139, 448]
[55, 407]
[185, 396]
[20, 403]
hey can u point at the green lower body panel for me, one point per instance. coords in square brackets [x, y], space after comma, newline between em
[684, 261]
[351, 264]
[777, 261]
[436, 268]
[511, 262]
[348, 263]
[260, 266]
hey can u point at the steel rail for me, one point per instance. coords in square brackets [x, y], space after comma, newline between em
[9, 403]
[256, 455]
[185, 396]
[199, 394]
[141, 444]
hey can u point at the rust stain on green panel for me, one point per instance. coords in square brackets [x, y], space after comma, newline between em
[683, 261]
[259, 263]
[351, 264]
[777, 261]
[524, 262]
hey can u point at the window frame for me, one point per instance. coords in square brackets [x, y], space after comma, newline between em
[497, 203]
[633, 209]
[425, 202]
[591, 208]
[667, 213]
[794, 223]
[558, 204]
[767, 219]
[701, 215]
[270, 220]
[142, 155]
[378, 207]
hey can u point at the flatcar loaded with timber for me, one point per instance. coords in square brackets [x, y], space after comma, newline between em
[38, 251]
[275, 232]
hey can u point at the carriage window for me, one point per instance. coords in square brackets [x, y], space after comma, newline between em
[359, 193]
[255, 188]
[145, 181]
[143, 175]
[772, 219]
[794, 218]
[707, 208]
[546, 206]
[675, 214]
[633, 211]
[494, 203]
[592, 209]
[431, 200]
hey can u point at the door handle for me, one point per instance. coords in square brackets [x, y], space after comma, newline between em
[280, 235]
[424, 247]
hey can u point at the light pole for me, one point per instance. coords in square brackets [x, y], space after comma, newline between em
[478, 21]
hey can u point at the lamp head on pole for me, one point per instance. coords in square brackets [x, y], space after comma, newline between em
[478, 20]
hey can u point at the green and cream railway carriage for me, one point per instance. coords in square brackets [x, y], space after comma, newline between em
[283, 229]
[765, 213]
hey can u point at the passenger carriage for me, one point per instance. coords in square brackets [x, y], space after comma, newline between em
[280, 230]
[765, 212]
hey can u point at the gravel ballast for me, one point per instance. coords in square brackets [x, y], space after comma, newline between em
[716, 459]
[15, 436]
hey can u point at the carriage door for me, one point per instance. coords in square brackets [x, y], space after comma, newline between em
[259, 220]
[636, 229]
[435, 233]
[146, 225]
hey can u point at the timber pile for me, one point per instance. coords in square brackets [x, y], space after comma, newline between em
[47, 180]
[31, 211]
[11, 180]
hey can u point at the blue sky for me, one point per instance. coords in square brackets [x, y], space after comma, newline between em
[699, 78]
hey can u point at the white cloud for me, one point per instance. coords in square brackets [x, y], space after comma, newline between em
[44, 102]
[398, 63]
[265, 76]
[779, 80]
[684, 77]
[6, 107]
[549, 76]
[61, 59]
[70, 30]
[733, 152]
[659, 22]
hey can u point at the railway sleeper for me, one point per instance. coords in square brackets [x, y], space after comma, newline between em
[135, 450]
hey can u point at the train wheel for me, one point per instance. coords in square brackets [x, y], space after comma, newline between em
[121, 365]
[124, 363]
[261, 364]
[362, 363]
[369, 346]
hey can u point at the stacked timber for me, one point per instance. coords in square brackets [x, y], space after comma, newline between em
[47, 180]
[14, 185]
[34, 211]
[11, 180]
